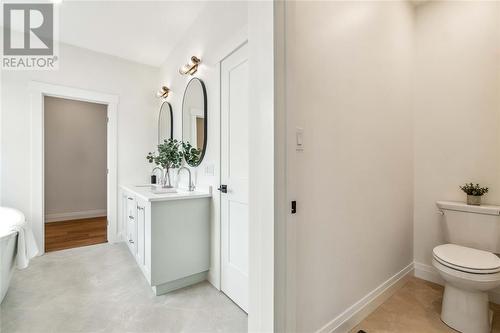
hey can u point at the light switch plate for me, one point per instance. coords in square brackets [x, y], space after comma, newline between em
[299, 139]
[210, 170]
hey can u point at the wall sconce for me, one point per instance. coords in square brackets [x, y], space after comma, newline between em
[163, 93]
[191, 67]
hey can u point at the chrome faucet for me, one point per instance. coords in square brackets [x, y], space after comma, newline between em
[191, 186]
[160, 180]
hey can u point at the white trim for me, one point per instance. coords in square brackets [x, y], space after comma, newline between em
[74, 215]
[214, 272]
[1, 141]
[261, 193]
[37, 91]
[429, 273]
[362, 308]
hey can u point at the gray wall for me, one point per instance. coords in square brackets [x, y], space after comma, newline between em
[75, 158]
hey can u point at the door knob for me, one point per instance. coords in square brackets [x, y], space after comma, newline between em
[223, 188]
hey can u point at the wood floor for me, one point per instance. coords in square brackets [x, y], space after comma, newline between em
[75, 233]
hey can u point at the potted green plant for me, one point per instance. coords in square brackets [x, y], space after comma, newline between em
[474, 193]
[169, 156]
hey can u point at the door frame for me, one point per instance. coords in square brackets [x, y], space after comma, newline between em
[38, 90]
[267, 303]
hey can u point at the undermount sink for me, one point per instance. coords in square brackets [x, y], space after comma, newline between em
[158, 189]
[156, 193]
[163, 190]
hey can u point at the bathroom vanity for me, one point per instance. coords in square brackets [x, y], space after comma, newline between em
[168, 234]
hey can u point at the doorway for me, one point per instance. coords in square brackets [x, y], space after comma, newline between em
[235, 176]
[38, 91]
[75, 173]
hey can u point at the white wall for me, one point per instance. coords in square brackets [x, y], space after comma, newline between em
[75, 159]
[457, 109]
[349, 87]
[135, 85]
[219, 29]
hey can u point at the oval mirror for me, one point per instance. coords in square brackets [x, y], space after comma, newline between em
[194, 120]
[165, 122]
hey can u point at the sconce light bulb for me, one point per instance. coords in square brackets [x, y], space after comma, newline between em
[163, 93]
[191, 67]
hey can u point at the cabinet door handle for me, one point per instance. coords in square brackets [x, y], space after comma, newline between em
[130, 198]
[131, 241]
[131, 217]
[140, 208]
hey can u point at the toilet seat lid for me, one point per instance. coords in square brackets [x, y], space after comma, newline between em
[467, 259]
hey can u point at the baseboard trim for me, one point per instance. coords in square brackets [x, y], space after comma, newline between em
[429, 273]
[75, 215]
[361, 309]
[212, 279]
[180, 283]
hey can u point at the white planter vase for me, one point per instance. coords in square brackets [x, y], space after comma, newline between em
[167, 183]
[474, 200]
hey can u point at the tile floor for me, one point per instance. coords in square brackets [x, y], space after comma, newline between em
[99, 288]
[415, 308]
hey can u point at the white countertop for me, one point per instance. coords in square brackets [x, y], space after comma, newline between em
[144, 192]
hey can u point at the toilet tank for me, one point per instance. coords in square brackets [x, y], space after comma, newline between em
[472, 226]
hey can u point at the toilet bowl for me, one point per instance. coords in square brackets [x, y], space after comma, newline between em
[468, 264]
[469, 274]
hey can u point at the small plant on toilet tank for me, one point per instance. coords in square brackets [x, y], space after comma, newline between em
[474, 193]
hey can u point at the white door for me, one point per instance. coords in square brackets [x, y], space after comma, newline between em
[234, 174]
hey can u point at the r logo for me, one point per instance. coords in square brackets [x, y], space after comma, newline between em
[28, 29]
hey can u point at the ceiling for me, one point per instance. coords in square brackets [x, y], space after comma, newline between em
[141, 31]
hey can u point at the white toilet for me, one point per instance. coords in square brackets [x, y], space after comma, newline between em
[469, 264]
